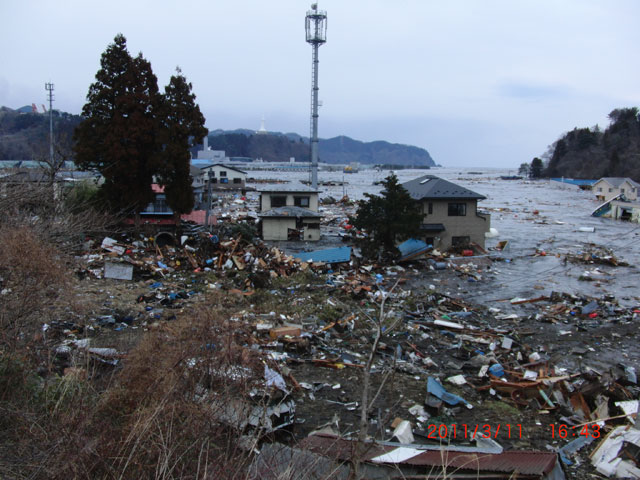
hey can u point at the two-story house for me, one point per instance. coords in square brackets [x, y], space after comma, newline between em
[289, 212]
[608, 188]
[451, 217]
[223, 177]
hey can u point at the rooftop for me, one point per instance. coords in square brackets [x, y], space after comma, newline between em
[228, 167]
[287, 187]
[617, 181]
[290, 212]
[432, 187]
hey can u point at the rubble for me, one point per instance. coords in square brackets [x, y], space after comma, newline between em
[312, 323]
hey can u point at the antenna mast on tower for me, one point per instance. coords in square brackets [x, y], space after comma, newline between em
[49, 88]
[316, 28]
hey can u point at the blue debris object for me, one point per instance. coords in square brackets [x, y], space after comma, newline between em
[329, 255]
[496, 370]
[162, 265]
[412, 248]
[573, 447]
[437, 390]
[155, 285]
[590, 307]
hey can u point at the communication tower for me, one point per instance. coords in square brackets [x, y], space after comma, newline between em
[316, 28]
[49, 88]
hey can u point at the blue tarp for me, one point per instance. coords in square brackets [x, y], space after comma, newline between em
[573, 181]
[330, 255]
[436, 389]
[412, 247]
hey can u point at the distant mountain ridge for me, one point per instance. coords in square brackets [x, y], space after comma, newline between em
[25, 136]
[277, 146]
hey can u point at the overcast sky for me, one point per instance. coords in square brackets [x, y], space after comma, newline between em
[476, 83]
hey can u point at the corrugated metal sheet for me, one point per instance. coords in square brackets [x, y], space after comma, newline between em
[524, 462]
[329, 255]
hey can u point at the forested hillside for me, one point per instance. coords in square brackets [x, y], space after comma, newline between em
[591, 153]
[25, 136]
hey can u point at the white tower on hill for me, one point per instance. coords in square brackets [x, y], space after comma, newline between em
[262, 130]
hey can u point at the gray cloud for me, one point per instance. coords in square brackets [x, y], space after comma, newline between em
[475, 83]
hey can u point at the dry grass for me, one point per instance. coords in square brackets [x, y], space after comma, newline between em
[33, 276]
[157, 415]
[160, 416]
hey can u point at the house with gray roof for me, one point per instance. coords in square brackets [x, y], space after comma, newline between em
[289, 212]
[607, 188]
[451, 217]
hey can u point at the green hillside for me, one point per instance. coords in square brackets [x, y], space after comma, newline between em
[590, 153]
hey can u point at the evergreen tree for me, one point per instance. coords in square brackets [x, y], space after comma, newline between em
[118, 136]
[182, 127]
[393, 216]
[536, 168]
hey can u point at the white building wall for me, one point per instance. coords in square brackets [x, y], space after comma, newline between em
[277, 228]
[265, 200]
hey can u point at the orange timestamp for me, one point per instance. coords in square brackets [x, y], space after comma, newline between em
[466, 431]
[561, 430]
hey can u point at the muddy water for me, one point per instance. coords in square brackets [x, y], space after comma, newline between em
[554, 229]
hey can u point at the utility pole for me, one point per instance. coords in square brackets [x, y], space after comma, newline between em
[316, 30]
[206, 221]
[49, 88]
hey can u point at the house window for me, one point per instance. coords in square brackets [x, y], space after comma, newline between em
[312, 226]
[622, 190]
[610, 190]
[430, 208]
[223, 174]
[599, 189]
[214, 180]
[211, 173]
[224, 180]
[457, 209]
[237, 180]
[430, 241]
[460, 241]
[278, 201]
[301, 202]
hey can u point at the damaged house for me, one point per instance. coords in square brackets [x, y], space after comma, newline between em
[289, 212]
[451, 217]
[620, 197]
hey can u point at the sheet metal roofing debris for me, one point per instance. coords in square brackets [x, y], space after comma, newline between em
[329, 255]
[449, 460]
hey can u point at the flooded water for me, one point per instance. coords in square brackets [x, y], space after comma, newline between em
[554, 229]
